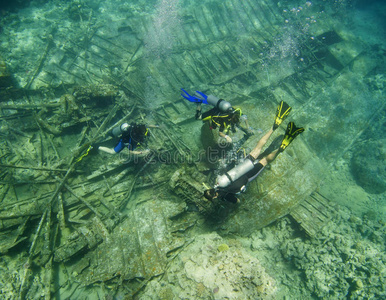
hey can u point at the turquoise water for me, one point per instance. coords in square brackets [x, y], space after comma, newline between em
[115, 227]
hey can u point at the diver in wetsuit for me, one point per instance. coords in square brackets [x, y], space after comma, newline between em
[131, 136]
[234, 181]
[222, 115]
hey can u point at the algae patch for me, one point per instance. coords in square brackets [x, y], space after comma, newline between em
[223, 248]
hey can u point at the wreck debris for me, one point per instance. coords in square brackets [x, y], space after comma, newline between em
[313, 213]
[5, 76]
[96, 95]
[136, 217]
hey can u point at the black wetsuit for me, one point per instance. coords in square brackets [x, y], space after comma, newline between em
[218, 119]
[132, 138]
[125, 141]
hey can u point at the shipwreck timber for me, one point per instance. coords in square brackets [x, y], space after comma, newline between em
[72, 212]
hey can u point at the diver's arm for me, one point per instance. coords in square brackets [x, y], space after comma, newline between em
[225, 136]
[247, 129]
[198, 112]
[246, 122]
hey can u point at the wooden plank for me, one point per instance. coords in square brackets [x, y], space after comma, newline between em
[313, 213]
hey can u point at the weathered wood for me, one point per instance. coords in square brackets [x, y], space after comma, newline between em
[50, 44]
[128, 194]
[11, 239]
[84, 201]
[27, 266]
[313, 213]
[32, 168]
[29, 106]
[61, 217]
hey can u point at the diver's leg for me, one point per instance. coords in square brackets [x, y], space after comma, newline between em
[256, 151]
[118, 148]
[107, 150]
[269, 158]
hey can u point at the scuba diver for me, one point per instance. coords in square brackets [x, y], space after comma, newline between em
[131, 136]
[234, 181]
[222, 115]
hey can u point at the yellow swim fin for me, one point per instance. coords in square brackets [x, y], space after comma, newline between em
[283, 110]
[291, 133]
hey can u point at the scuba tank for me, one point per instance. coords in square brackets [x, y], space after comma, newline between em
[199, 97]
[235, 173]
[117, 131]
[222, 105]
